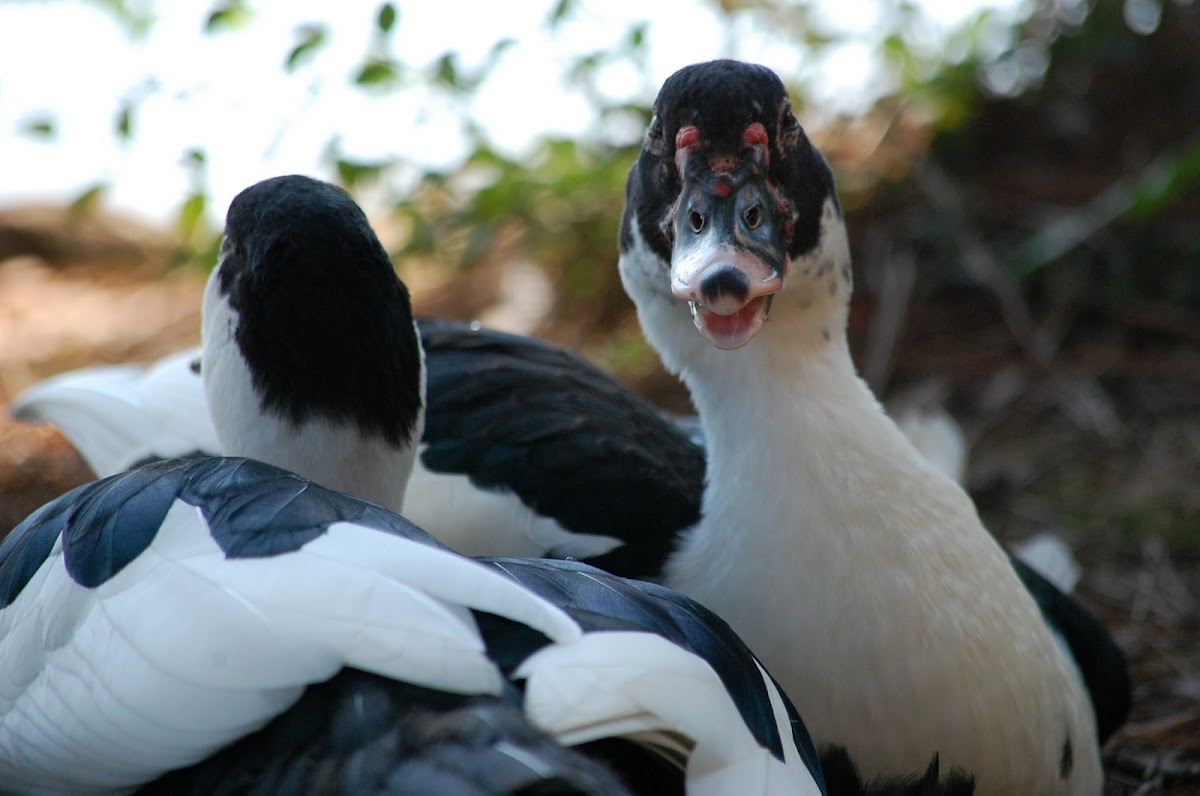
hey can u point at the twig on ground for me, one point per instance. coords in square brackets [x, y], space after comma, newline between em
[1080, 398]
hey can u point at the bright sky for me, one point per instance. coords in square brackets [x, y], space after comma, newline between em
[227, 94]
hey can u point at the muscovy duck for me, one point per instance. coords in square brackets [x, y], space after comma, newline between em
[860, 574]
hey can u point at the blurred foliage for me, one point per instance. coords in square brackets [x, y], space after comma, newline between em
[40, 126]
[1034, 87]
[309, 40]
[134, 17]
[228, 16]
[1087, 177]
[86, 202]
[200, 243]
[557, 208]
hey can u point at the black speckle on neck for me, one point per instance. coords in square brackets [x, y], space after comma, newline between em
[1066, 760]
[323, 322]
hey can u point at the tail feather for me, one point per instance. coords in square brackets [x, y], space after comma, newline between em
[118, 416]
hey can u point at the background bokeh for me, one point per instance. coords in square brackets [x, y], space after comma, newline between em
[1020, 180]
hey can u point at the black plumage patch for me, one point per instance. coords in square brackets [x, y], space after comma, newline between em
[323, 322]
[103, 526]
[842, 777]
[28, 546]
[721, 99]
[600, 601]
[253, 510]
[1098, 657]
[572, 442]
[361, 733]
[114, 521]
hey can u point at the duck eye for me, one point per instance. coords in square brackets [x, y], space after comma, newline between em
[696, 221]
[753, 216]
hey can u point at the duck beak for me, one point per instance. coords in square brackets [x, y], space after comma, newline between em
[728, 258]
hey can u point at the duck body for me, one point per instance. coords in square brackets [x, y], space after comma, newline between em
[573, 445]
[914, 624]
[885, 590]
[221, 619]
[152, 617]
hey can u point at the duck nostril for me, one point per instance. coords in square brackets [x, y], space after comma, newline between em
[753, 216]
[725, 282]
[696, 221]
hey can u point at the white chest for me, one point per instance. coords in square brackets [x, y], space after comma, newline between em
[865, 582]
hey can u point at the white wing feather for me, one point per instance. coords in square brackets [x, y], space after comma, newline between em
[184, 650]
[628, 683]
[117, 415]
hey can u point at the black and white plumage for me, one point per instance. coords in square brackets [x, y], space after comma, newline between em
[584, 454]
[528, 449]
[154, 617]
[816, 278]
[180, 607]
[734, 251]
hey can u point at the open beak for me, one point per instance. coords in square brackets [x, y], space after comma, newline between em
[728, 258]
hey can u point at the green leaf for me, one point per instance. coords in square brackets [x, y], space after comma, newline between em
[190, 216]
[561, 9]
[637, 37]
[378, 72]
[352, 172]
[40, 127]
[124, 123]
[499, 48]
[310, 39]
[1165, 180]
[227, 16]
[447, 72]
[585, 66]
[385, 20]
[136, 22]
[87, 202]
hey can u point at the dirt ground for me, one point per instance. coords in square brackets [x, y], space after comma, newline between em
[1103, 449]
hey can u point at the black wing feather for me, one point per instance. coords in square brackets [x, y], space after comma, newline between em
[1098, 657]
[361, 733]
[600, 601]
[570, 441]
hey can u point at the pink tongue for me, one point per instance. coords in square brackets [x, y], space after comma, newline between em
[728, 325]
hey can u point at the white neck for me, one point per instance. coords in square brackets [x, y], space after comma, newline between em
[858, 573]
[335, 455]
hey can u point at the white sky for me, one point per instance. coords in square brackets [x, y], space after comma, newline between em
[228, 94]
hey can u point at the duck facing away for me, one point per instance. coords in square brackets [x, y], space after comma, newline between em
[199, 625]
[153, 617]
[860, 574]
